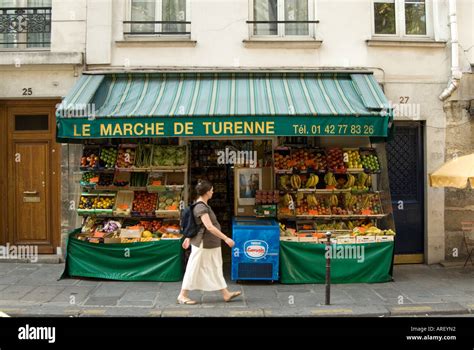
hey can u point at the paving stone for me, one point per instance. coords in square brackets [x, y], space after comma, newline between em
[110, 289]
[102, 301]
[43, 293]
[15, 292]
[75, 295]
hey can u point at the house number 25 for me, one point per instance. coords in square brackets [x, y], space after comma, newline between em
[27, 91]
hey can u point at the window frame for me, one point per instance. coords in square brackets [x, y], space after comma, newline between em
[158, 17]
[400, 25]
[281, 26]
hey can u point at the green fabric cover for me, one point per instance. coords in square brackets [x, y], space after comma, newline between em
[148, 261]
[306, 263]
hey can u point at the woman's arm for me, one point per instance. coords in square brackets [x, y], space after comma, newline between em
[206, 220]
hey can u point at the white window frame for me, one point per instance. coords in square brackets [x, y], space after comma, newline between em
[400, 27]
[281, 26]
[158, 17]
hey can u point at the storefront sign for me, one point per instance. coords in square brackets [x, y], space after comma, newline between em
[84, 128]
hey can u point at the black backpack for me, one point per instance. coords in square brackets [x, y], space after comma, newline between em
[189, 227]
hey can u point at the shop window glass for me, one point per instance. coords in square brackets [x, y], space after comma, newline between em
[31, 123]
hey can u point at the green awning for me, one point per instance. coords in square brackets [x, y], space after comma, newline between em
[224, 104]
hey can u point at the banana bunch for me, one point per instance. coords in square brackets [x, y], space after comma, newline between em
[333, 201]
[368, 183]
[350, 181]
[284, 182]
[312, 200]
[350, 225]
[330, 179]
[362, 179]
[295, 181]
[365, 202]
[349, 200]
[287, 199]
[312, 181]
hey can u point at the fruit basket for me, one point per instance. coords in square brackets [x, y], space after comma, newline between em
[143, 156]
[89, 179]
[286, 206]
[335, 161]
[169, 202]
[122, 179]
[105, 180]
[367, 205]
[108, 157]
[123, 203]
[144, 204]
[370, 160]
[312, 204]
[90, 157]
[126, 156]
[169, 157]
[156, 182]
[352, 160]
[104, 203]
[86, 203]
[138, 180]
[282, 160]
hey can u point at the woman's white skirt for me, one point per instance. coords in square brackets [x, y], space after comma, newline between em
[204, 270]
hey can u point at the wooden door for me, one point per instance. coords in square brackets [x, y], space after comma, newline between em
[33, 178]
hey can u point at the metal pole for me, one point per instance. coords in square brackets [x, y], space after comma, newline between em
[328, 268]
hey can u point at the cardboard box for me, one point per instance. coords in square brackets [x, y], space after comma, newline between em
[131, 233]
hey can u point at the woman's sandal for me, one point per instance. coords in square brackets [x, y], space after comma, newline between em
[186, 301]
[233, 295]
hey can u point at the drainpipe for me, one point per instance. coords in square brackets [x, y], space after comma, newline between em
[455, 71]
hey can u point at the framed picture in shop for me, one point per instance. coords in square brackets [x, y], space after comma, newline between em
[249, 181]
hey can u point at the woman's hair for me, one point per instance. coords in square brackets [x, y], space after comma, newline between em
[203, 187]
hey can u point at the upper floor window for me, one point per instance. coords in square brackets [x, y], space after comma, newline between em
[158, 17]
[25, 24]
[282, 18]
[402, 18]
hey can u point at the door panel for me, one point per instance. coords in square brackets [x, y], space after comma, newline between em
[32, 200]
[405, 159]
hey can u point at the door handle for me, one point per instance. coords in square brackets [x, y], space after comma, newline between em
[30, 192]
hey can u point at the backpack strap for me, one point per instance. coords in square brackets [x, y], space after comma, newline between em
[202, 225]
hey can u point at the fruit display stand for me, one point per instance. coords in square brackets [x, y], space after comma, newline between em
[344, 191]
[130, 201]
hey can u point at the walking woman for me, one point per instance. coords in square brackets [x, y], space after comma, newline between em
[204, 269]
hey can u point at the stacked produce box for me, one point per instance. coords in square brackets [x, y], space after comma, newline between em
[333, 187]
[141, 181]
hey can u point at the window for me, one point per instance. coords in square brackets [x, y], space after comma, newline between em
[407, 18]
[158, 17]
[31, 123]
[282, 18]
[25, 24]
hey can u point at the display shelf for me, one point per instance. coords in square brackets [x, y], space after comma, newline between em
[312, 217]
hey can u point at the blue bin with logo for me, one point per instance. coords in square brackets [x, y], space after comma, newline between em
[255, 255]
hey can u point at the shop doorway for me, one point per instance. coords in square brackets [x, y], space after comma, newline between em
[213, 160]
[32, 198]
[406, 169]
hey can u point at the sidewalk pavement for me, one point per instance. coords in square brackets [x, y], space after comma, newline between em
[418, 290]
